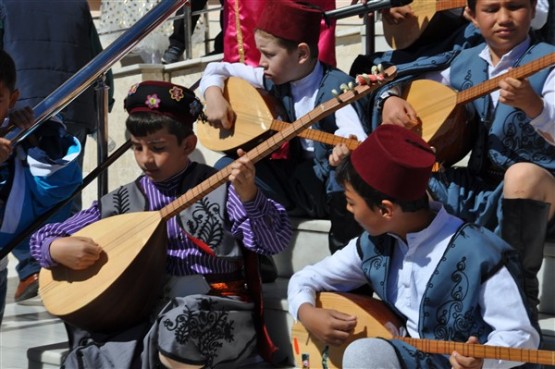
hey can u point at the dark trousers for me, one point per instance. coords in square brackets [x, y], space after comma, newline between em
[177, 38]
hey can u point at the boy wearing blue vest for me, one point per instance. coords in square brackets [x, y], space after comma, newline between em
[421, 261]
[508, 183]
[299, 177]
[35, 175]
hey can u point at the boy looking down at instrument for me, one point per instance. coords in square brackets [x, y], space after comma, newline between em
[299, 175]
[35, 175]
[508, 183]
[205, 245]
[422, 262]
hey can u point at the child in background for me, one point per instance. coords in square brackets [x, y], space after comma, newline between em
[448, 280]
[299, 176]
[35, 175]
[228, 220]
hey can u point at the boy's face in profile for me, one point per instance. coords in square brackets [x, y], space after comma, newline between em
[8, 99]
[160, 156]
[503, 23]
[371, 220]
[280, 65]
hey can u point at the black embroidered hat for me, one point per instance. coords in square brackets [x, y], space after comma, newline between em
[164, 98]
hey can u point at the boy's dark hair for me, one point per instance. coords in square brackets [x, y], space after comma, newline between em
[346, 173]
[289, 45]
[7, 70]
[141, 124]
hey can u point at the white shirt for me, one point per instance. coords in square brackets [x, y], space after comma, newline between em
[544, 123]
[412, 265]
[540, 18]
[304, 92]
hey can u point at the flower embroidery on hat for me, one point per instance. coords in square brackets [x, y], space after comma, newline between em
[176, 93]
[152, 101]
[133, 89]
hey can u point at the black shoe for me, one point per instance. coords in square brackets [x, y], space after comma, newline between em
[172, 55]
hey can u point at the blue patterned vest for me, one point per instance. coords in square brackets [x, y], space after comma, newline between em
[449, 309]
[505, 136]
[204, 220]
[332, 79]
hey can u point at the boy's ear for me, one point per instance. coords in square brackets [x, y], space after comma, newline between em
[471, 16]
[386, 208]
[189, 144]
[303, 52]
[14, 97]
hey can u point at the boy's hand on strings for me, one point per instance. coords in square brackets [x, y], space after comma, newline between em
[398, 111]
[398, 14]
[22, 118]
[339, 152]
[518, 93]
[76, 253]
[218, 112]
[329, 326]
[242, 177]
[465, 362]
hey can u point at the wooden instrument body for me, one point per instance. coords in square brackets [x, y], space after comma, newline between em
[443, 123]
[122, 287]
[374, 319]
[255, 109]
[255, 121]
[305, 348]
[405, 33]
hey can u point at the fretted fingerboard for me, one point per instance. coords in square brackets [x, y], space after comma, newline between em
[317, 135]
[482, 351]
[491, 85]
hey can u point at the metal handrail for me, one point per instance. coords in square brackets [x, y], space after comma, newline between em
[87, 75]
[79, 82]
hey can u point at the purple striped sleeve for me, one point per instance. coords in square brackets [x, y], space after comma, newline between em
[263, 223]
[41, 240]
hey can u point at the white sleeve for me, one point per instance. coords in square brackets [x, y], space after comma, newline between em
[348, 123]
[504, 310]
[540, 19]
[544, 123]
[216, 73]
[341, 271]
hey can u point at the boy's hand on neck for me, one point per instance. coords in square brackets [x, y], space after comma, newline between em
[519, 94]
[242, 177]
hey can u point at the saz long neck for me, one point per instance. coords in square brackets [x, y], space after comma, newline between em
[483, 351]
[490, 85]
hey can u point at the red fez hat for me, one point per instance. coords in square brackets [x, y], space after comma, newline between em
[163, 98]
[291, 20]
[395, 161]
